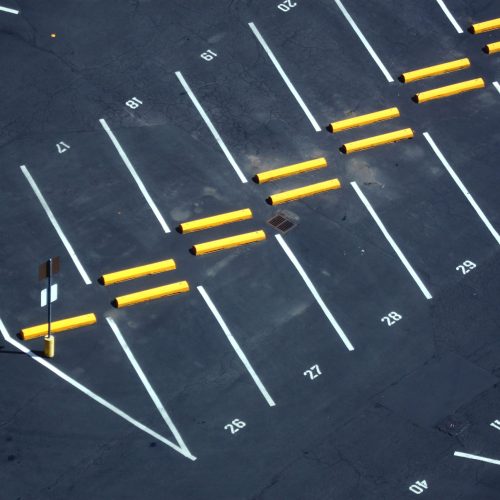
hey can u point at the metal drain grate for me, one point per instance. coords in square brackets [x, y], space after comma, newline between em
[281, 222]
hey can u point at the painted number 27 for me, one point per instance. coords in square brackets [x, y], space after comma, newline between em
[466, 267]
[286, 5]
[313, 372]
[235, 426]
[391, 318]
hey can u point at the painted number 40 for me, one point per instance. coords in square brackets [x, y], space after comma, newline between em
[418, 487]
[466, 267]
[235, 426]
[286, 5]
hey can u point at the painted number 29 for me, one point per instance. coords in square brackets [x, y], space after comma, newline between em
[466, 267]
[286, 5]
[235, 426]
[208, 55]
[391, 318]
[133, 103]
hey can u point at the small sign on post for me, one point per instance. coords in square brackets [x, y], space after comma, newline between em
[45, 271]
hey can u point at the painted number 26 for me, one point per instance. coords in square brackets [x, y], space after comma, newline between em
[391, 318]
[235, 426]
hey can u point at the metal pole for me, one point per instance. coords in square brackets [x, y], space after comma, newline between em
[49, 301]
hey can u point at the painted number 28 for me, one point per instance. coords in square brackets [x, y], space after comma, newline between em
[286, 5]
[235, 426]
[391, 318]
[466, 267]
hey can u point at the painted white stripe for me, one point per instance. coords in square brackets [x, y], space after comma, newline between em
[10, 11]
[56, 225]
[211, 127]
[137, 179]
[460, 184]
[235, 346]
[147, 385]
[449, 16]
[314, 292]
[393, 244]
[477, 457]
[497, 86]
[289, 84]
[89, 393]
[367, 45]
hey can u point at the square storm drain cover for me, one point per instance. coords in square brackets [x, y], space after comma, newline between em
[282, 222]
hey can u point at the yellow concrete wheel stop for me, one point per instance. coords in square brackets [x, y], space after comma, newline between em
[137, 272]
[61, 325]
[151, 294]
[215, 220]
[377, 140]
[367, 119]
[448, 90]
[298, 168]
[230, 242]
[302, 192]
[438, 69]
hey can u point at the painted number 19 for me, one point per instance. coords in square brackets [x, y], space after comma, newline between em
[208, 55]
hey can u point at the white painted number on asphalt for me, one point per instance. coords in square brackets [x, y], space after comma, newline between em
[466, 267]
[313, 372]
[62, 147]
[133, 103]
[235, 426]
[391, 318]
[286, 5]
[208, 55]
[418, 487]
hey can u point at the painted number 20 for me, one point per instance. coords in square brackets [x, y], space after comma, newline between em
[466, 267]
[235, 426]
[391, 318]
[286, 5]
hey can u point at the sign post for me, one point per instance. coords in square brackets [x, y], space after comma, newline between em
[46, 271]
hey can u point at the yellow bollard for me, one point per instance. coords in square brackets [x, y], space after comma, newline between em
[49, 346]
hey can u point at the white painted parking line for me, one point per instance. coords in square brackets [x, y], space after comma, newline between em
[147, 385]
[10, 11]
[287, 81]
[391, 241]
[460, 184]
[56, 225]
[449, 16]
[477, 457]
[314, 292]
[211, 127]
[497, 86]
[89, 393]
[235, 346]
[136, 178]
[365, 42]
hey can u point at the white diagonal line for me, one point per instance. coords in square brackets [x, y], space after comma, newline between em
[210, 126]
[449, 16]
[477, 457]
[464, 190]
[314, 292]
[235, 346]
[287, 81]
[56, 225]
[391, 241]
[497, 86]
[136, 177]
[90, 394]
[10, 11]
[147, 385]
[365, 42]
